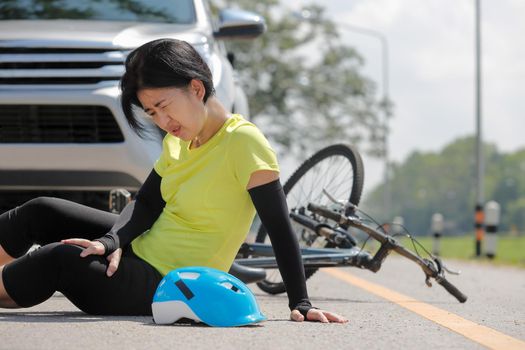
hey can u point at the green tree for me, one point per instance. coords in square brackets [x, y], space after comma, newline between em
[514, 214]
[444, 182]
[304, 86]
[510, 190]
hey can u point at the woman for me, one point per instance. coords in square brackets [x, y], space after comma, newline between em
[194, 208]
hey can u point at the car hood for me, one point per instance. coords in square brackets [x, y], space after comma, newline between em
[92, 34]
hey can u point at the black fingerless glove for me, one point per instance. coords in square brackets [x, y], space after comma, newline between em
[109, 244]
[304, 307]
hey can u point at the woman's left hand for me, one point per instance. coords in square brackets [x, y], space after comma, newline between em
[97, 248]
[318, 315]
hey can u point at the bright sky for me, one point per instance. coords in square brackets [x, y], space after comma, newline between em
[432, 69]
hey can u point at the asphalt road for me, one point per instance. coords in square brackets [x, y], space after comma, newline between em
[496, 300]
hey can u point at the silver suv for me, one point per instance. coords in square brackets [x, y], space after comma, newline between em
[62, 131]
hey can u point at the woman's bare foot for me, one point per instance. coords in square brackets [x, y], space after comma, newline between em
[4, 257]
[5, 300]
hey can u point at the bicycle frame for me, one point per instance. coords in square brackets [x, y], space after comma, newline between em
[261, 255]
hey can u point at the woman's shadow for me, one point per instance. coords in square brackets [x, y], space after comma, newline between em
[65, 317]
[81, 317]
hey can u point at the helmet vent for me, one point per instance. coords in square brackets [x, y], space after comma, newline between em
[230, 286]
[189, 275]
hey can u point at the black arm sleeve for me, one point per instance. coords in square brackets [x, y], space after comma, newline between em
[137, 217]
[270, 202]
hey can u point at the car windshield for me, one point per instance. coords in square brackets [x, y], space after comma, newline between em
[172, 11]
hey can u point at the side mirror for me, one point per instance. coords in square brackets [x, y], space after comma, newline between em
[239, 24]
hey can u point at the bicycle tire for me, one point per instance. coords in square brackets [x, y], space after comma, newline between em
[352, 187]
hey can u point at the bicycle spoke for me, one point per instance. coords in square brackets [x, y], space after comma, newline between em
[332, 169]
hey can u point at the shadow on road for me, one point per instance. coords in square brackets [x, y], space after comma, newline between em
[65, 317]
[80, 317]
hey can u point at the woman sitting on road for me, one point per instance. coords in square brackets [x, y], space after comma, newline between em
[194, 209]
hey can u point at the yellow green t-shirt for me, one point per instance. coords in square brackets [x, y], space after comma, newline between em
[208, 210]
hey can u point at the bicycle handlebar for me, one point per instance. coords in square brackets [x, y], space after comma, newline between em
[452, 289]
[326, 212]
[389, 243]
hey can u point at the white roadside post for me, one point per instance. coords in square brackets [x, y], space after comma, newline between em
[397, 225]
[492, 217]
[437, 230]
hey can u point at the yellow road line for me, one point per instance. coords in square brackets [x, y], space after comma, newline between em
[483, 335]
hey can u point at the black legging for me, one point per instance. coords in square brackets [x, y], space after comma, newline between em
[34, 277]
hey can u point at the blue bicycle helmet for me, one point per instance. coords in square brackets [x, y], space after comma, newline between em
[205, 295]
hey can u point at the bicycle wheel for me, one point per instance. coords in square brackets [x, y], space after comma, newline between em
[339, 170]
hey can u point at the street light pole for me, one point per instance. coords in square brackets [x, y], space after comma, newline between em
[479, 214]
[386, 113]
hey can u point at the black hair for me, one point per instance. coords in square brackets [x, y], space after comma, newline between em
[158, 64]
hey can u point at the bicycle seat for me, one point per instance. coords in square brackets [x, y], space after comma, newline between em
[247, 274]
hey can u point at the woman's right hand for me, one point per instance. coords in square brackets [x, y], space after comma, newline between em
[97, 248]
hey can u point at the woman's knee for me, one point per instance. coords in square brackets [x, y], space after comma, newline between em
[32, 214]
[34, 277]
[62, 254]
[43, 220]
[20, 226]
[40, 206]
[57, 256]
[66, 258]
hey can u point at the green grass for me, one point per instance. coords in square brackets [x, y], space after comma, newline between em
[510, 250]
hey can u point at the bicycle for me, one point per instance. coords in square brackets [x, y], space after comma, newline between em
[322, 224]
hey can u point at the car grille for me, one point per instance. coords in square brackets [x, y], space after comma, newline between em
[60, 66]
[58, 124]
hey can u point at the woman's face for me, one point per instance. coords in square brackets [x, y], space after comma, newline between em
[178, 111]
